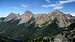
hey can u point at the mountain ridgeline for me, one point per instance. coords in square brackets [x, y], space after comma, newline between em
[30, 27]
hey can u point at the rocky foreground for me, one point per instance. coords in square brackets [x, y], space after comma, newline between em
[28, 27]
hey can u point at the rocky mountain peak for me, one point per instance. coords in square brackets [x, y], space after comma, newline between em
[56, 12]
[42, 19]
[63, 20]
[25, 17]
[28, 12]
[11, 16]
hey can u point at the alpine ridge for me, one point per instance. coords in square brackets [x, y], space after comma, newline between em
[55, 26]
[64, 20]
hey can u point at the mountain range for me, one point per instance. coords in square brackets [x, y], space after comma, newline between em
[29, 26]
[63, 20]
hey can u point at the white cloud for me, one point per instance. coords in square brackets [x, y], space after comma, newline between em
[46, 6]
[20, 6]
[50, 5]
[54, 6]
[58, 5]
[67, 1]
[23, 5]
[47, 1]
[70, 12]
[61, 3]
[73, 13]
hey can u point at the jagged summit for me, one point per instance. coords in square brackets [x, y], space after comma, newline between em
[25, 17]
[63, 20]
[11, 16]
[27, 12]
[56, 12]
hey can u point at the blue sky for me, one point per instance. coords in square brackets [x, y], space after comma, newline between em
[36, 6]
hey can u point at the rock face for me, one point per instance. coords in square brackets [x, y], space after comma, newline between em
[63, 21]
[42, 19]
[27, 16]
[11, 16]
